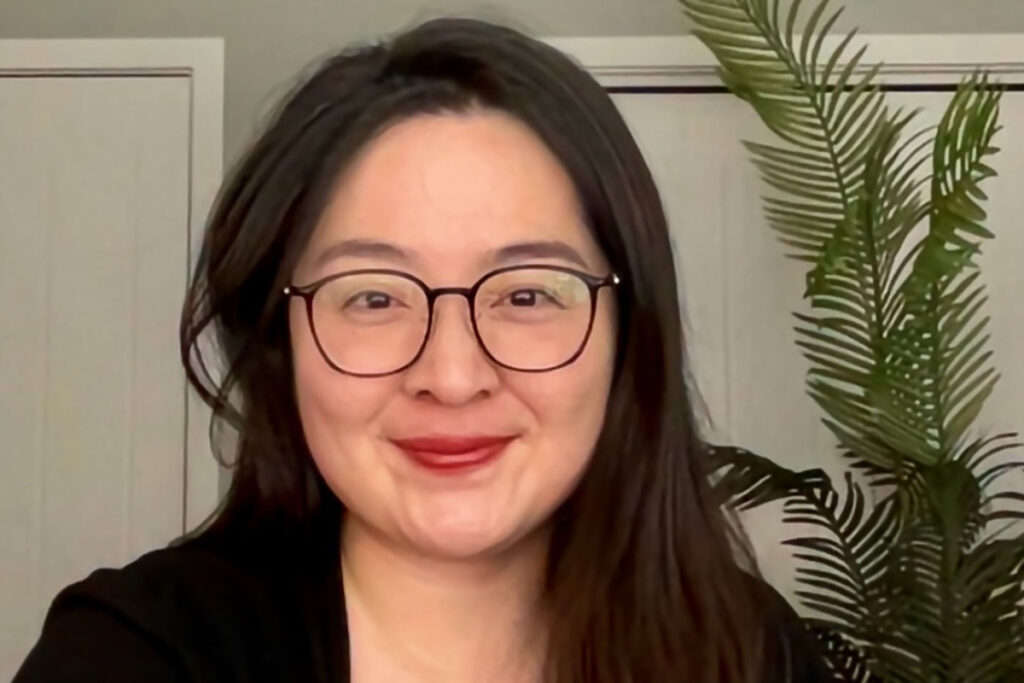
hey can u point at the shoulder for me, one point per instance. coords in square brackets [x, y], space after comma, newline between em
[167, 583]
[791, 653]
[175, 614]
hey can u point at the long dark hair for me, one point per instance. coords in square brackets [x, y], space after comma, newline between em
[643, 584]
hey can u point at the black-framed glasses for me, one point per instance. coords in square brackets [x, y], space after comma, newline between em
[376, 322]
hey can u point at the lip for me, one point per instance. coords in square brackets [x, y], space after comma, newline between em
[452, 454]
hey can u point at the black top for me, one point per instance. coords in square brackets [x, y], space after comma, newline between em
[194, 614]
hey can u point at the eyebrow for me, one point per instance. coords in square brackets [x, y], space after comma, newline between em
[519, 251]
[542, 249]
[363, 248]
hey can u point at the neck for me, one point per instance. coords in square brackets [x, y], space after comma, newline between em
[443, 619]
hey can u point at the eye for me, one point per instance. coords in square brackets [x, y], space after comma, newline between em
[373, 301]
[528, 298]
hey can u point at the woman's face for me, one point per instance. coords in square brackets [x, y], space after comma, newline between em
[454, 456]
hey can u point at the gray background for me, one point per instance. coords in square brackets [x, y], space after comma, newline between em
[269, 41]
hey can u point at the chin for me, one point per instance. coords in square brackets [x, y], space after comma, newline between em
[465, 538]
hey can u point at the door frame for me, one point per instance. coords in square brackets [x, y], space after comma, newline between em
[649, 63]
[201, 60]
[653, 65]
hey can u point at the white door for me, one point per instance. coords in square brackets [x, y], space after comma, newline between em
[738, 289]
[95, 209]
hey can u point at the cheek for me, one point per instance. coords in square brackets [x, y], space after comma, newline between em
[569, 404]
[335, 409]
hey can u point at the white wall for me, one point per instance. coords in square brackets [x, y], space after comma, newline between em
[268, 41]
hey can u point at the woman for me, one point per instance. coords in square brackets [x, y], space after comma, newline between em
[442, 290]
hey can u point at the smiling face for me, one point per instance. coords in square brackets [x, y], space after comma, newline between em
[448, 199]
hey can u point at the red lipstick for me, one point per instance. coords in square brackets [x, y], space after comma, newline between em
[452, 454]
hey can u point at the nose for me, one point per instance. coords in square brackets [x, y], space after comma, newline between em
[452, 370]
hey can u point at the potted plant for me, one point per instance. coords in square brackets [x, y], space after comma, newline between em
[927, 582]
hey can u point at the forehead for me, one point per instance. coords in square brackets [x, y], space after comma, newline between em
[453, 186]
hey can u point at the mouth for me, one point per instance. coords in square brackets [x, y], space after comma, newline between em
[451, 454]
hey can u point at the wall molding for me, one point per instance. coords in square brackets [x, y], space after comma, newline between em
[201, 61]
[683, 61]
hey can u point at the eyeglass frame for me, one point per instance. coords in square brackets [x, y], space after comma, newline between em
[308, 292]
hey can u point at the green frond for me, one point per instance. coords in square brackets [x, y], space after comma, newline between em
[743, 480]
[925, 585]
[979, 452]
[818, 111]
[843, 569]
[952, 595]
[934, 338]
[978, 456]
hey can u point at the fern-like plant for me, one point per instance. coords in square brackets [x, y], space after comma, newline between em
[925, 585]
